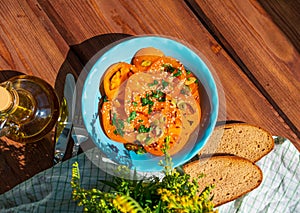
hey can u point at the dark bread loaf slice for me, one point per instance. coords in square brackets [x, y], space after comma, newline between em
[232, 176]
[239, 139]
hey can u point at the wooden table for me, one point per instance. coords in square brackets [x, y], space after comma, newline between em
[253, 46]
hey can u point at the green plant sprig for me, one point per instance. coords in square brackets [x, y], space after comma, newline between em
[176, 192]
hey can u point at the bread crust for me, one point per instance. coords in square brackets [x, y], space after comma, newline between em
[232, 176]
[239, 139]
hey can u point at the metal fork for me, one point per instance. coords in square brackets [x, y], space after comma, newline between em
[79, 133]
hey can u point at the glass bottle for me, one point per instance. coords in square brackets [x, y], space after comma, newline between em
[29, 108]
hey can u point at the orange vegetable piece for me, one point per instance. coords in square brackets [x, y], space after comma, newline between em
[165, 125]
[143, 115]
[115, 75]
[171, 134]
[145, 57]
[193, 83]
[170, 65]
[108, 127]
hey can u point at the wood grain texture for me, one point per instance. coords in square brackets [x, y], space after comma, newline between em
[259, 47]
[286, 15]
[29, 42]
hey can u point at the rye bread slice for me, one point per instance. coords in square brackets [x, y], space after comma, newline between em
[239, 139]
[231, 176]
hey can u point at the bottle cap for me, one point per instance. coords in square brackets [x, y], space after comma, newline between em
[5, 99]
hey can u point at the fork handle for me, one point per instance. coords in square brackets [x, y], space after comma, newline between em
[75, 149]
[78, 139]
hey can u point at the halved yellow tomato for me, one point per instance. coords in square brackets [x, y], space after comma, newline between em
[109, 128]
[115, 75]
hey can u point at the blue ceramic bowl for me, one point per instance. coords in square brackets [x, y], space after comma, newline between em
[123, 51]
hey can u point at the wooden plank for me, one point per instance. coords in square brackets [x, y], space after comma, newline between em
[286, 15]
[29, 44]
[265, 54]
[29, 41]
[91, 20]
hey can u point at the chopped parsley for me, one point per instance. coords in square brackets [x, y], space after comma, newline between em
[146, 101]
[155, 82]
[157, 94]
[105, 99]
[119, 124]
[143, 129]
[164, 83]
[134, 103]
[178, 73]
[168, 68]
[149, 109]
[132, 116]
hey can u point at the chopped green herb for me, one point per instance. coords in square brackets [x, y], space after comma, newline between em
[188, 72]
[146, 101]
[155, 82]
[149, 109]
[162, 99]
[105, 99]
[178, 73]
[134, 104]
[143, 129]
[168, 68]
[119, 124]
[164, 83]
[157, 94]
[114, 119]
[132, 116]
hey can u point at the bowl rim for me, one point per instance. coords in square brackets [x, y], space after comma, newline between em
[213, 97]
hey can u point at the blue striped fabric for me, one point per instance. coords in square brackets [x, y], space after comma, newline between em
[50, 190]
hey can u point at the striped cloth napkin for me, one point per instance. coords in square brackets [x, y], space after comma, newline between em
[280, 189]
[50, 190]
